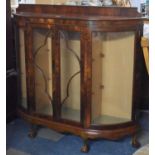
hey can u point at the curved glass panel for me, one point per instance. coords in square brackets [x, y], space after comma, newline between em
[112, 77]
[22, 69]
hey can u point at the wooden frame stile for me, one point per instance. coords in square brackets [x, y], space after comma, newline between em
[86, 77]
[56, 75]
[137, 72]
[30, 79]
[136, 81]
[86, 83]
[134, 89]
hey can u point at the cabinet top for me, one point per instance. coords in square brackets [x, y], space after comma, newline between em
[78, 12]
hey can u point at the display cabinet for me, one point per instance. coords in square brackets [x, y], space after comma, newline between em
[79, 69]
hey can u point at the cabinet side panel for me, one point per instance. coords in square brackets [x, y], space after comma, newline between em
[22, 68]
[112, 77]
[117, 74]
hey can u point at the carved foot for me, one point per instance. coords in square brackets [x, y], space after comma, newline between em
[85, 147]
[33, 131]
[135, 142]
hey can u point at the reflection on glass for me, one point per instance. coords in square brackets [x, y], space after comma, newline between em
[42, 52]
[112, 77]
[22, 69]
[70, 75]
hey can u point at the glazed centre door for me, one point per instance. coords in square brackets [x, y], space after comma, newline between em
[51, 89]
[70, 59]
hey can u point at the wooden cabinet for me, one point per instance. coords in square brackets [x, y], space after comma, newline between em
[79, 69]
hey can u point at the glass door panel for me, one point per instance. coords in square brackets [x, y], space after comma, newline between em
[42, 53]
[112, 77]
[70, 75]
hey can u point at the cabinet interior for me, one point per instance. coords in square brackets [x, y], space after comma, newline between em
[112, 77]
[70, 74]
[112, 74]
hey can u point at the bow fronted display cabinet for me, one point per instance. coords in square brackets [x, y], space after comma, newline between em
[79, 69]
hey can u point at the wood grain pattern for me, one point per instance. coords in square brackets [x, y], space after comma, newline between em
[56, 70]
[30, 83]
[75, 10]
[84, 20]
[86, 77]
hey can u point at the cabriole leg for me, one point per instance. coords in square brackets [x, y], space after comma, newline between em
[135, 142]
[33, 131]
[85, 147]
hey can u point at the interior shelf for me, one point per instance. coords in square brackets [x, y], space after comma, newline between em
[107, 120]
[46, 110]
[66, 113]
[71, 114]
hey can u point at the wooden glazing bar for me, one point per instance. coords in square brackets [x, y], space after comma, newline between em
[56, 74]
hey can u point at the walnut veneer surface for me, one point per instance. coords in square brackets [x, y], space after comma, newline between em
[82, 65]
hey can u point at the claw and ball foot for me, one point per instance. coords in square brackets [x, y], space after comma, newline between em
[33, 131]
[85, 147]
[135, 142]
